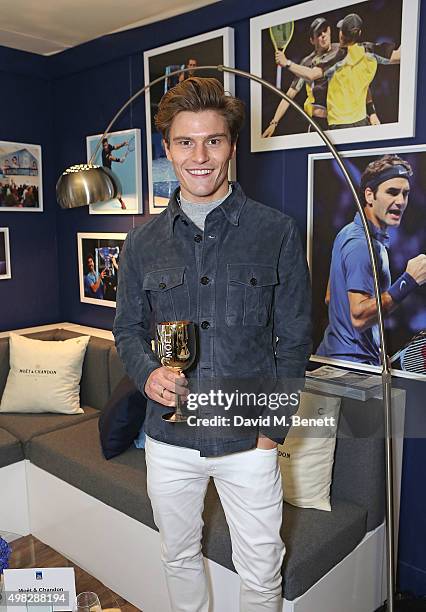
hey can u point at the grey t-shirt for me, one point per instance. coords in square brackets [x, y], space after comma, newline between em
[198, 212]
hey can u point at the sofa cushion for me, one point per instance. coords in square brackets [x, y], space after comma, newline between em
[26, 426]
[95, 365]
[315, 540]
[74, 454]
[359, 464]
[44, 375]
[10, 449]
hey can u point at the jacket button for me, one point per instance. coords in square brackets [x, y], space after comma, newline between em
[198, 238]
[253, 281]
[205, 325]
[205, 280]
[184, 221]
[162, 285]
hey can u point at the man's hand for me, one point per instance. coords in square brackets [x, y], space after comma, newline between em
[265, 443]
[374, 119]
[163, 384]
[280, 58]
[416, 268]
[269, 130]
[103, 273]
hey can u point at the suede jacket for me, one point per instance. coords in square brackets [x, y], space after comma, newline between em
[245, 284]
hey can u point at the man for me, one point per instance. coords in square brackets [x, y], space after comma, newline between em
[349, 73]
[93, 282]
[191, 63]
[235, 268]
[108, 158]
[352, 333]
[316, 100]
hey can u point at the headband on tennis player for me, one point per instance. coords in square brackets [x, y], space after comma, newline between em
[397, 171]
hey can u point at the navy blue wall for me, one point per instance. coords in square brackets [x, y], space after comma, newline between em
[31, 296]
[74, 94]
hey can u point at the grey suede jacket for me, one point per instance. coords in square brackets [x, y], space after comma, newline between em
[244, 282]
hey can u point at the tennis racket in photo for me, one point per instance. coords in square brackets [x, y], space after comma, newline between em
[130, 147]
[412, 356]
[281, 35]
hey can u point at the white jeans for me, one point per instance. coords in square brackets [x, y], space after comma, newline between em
[249, 486]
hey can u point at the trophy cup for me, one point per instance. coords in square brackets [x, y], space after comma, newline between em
[175, 347]
[107, 254]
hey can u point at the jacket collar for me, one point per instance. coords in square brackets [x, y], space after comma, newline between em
[231, 207]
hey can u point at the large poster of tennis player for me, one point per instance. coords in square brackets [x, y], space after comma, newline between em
[392, 186]
[351, 65]
[210, 49]
[21, 188]
[98, 263]
[121, 153]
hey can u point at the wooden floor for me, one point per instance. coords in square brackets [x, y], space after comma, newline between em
[30, 552]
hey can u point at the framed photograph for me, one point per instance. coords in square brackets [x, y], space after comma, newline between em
[345, 332]
[4, 254]
[98, 263]
[21, 187]
[351, 64]
[208, 49]
[121, 153]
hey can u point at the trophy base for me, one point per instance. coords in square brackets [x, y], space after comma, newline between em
[172, 417]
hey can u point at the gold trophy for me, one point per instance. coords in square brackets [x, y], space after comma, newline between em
[175, 347]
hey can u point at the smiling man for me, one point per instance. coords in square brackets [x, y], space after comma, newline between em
[236, 268]
[352, 333]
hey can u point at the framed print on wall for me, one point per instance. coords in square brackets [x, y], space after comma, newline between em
[98, 263]
[210, 49]
[5, 271]
[357, 77]
[21, 184]
[339, 262]
[120, 152]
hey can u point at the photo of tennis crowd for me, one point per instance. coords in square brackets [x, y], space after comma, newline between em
[21, 196]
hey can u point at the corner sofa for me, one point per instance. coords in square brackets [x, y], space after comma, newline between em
[55, 484]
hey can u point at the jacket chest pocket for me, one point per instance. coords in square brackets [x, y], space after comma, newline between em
[168, 293]
[249, 294]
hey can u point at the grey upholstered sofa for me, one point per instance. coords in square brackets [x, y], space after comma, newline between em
[68, 448]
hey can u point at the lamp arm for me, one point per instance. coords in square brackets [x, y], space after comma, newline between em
[385, 362]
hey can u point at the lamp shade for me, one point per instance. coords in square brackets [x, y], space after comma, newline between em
[86, 184]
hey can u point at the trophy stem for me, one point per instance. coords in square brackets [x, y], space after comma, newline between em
[177, 416]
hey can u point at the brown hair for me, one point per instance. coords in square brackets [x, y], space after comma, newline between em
[377, 167]
[197, 94]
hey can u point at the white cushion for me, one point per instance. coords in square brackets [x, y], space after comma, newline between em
[307, 455]
[44, 375]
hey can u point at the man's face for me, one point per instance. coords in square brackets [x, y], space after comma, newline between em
[200, 150]
[90, 264]
[105, 145]
[192, 63]
[322, 40]
[386, 208]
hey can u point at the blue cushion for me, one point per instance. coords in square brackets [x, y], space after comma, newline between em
[122, 418]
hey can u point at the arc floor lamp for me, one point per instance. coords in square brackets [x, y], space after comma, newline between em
[86, 184]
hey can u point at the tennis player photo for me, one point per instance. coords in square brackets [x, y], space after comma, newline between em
[121, 153]
[352, 67]
[391, 184]
[21, 188]
[98, 263]
[208, 49]
[5, 272]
